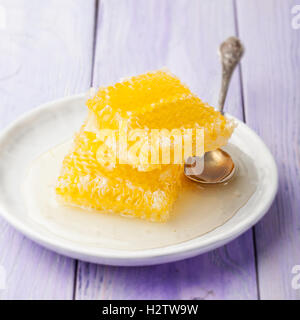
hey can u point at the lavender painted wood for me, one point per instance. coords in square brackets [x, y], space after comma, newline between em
[272, 98]
[136, 36]
[45, 53]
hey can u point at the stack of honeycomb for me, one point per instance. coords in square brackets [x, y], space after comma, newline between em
[155, 100]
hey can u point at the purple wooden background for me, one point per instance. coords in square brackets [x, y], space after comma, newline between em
[49, 49]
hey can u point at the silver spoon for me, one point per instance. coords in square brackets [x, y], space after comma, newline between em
[218, 166]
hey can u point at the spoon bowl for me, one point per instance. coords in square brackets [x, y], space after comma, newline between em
[218, 167]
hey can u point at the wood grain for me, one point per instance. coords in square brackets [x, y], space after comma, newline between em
[271, 87]
[136, 36]
[45, 53]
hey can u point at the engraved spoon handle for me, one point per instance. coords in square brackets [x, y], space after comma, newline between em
[231, 52]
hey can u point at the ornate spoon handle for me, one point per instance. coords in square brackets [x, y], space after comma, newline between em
[231, 52]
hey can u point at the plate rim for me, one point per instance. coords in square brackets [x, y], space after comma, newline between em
[169, 253]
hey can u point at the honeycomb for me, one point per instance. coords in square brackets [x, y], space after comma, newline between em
[155, 100]
[85, 183]
[134, 96]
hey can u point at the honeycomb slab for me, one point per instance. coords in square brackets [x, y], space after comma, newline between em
[155, 100]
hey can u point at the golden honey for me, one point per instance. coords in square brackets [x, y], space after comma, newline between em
[155, 100]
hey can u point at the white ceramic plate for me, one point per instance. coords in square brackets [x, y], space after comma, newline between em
[55, 122]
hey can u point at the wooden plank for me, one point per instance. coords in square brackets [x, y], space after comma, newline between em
[272, 98]
[45, 53]
[136, 36]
